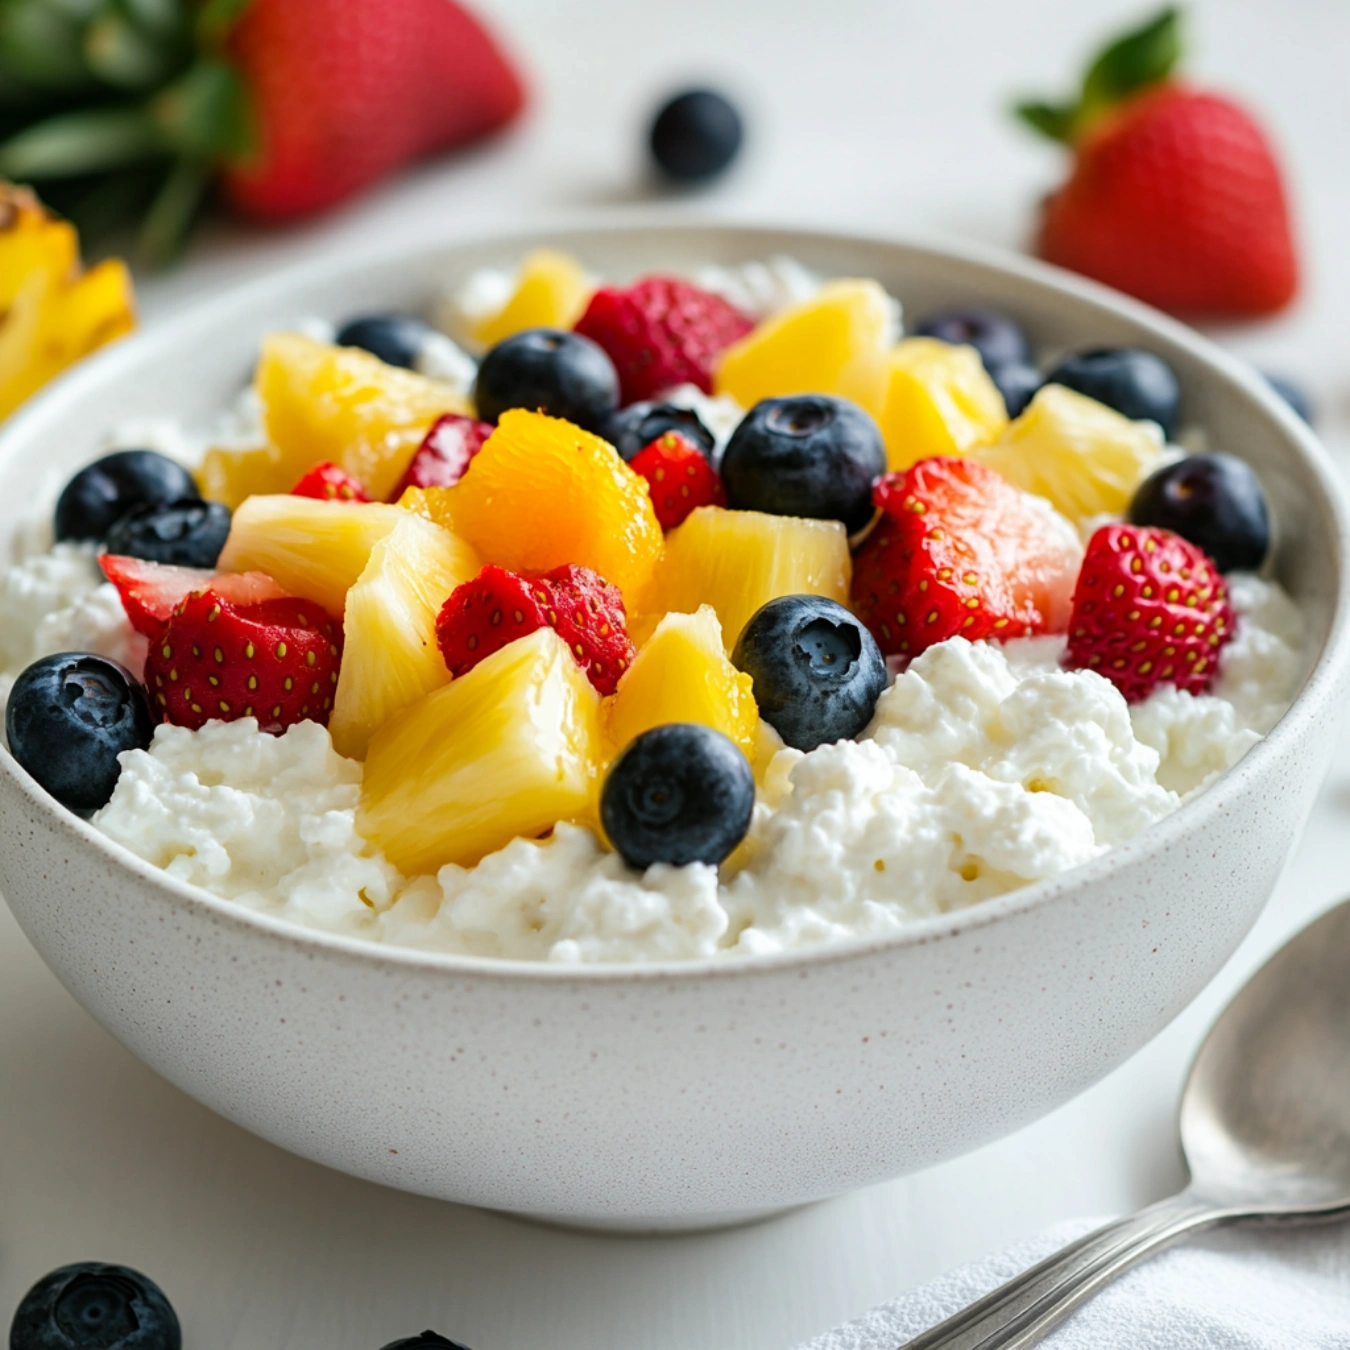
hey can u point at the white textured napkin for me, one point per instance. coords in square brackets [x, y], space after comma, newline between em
[1243, 1289]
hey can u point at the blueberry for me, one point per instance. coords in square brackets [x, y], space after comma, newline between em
[1292, 394]
[635, 427]
[999, 341]
[1134, 382]
[68, 719]
[817, 671]
[189, 533]
[395, 338]
[679, 793]
[106, 490]
[1216, 502]
[427, 1338]
[696, 135]
[549, 370]
[1017, 383]
[805, 455]
[90, 1306]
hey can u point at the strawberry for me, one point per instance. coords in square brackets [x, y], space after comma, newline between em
[1175, 195]
[660, 332]
[276, 660]
[959, 551]
[1149, 609]
[330, 483]
[498, 606]
[679, 476]
[445, 452]
[151, 591]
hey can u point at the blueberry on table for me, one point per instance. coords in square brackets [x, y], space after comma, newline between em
[425, 1340]
[187, 533]
[1213, 500]
[999, 341]
[552, 371]
[395, 338]
[817, 671]
[103, 492]
[634, 428]
[1017, 383]
[68, 719]
[1292, 394]
[805, 455]
[679, 793]
[696, 135]
[1134, 382]
[90, 1306]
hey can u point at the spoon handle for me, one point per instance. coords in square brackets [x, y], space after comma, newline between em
[1020, 1312]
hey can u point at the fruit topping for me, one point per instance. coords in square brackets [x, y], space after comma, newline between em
[1293, 394]
[636, 426]
[186, 533]
[150, 591]
[680, 793]
[695, 136]
[551, 291]
[1213, 500]
[551, 371]
[679, 477]
[817, 672]
[999, 341]
[1018, 384]
[445, 453]
[395, 338]
[69, 717]
[807, 455]
[328, 483]
[104, 491]
[1136, 383]
[1149, 609]
[960, 552]
[91, 1306]
[276, 660]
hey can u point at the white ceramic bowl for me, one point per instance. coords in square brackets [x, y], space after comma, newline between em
[701, 1092]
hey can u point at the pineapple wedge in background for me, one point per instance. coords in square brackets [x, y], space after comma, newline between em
[312, 548]
[232, 476]
[737, 561]
[551, 291]
[52, 312]
[507, 750]
[436, 504]
[939, 401]
[390, 657]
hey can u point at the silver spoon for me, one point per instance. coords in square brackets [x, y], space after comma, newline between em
[1265, 1127]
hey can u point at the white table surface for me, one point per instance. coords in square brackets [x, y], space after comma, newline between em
[866, 114]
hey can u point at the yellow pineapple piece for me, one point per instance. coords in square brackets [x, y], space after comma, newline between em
[341, 404]
[1085, 457]
[939, 401]
[232, 476]
[737, 561]
[390, 658]
[551, 291]
[834, 343]
[313, 548]
[509, 749]
[435, 504]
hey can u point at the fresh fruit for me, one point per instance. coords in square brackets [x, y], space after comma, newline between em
[232, 475]
[389, 653]
[276, 660]
[92, 1306]
[1149, 609]
[817, 672]
[103, 492]
[834, 343]
[150, 591]
[1136, 383]
[1175, 193]
[1213, 500]
[682, 675]
[1018, 385]
[548, 370]
[660, 332]
[312, 548]
[69, 717]
[1084, 457]
[636, 426]
[960, 552]
[679, 794]
[807, 455]
[445, 453]
[695, 136]
[327, 483]
[507, 750]
[999, 341]
[679, 477]
[543, 493]
[425, 1341]
[940, 400]
[737, 561]
[187, 533]
[395, 338]
[343, 406]
[551, 290]
[1294, 395]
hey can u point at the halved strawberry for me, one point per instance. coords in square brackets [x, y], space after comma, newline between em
[151, 591]
[329, 483]
[445, 452]
[679, 476]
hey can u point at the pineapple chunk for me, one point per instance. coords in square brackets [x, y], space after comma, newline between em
[939, 401]
[551, 291]
[233, 476]
[682, 675]
[435, 504]
[391, 658]
[312, 548]
[737, 561]
[509, 749]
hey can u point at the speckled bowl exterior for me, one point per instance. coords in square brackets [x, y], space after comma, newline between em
[678, 1095]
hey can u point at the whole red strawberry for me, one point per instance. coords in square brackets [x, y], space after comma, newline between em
[151, 591]
[445, 452]
[660, 332]
[1175, 195]
[329, 482]
[276, 660]
[679, 476]
[1149, 609]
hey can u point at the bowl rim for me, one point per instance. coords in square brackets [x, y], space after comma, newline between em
[222, 305]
